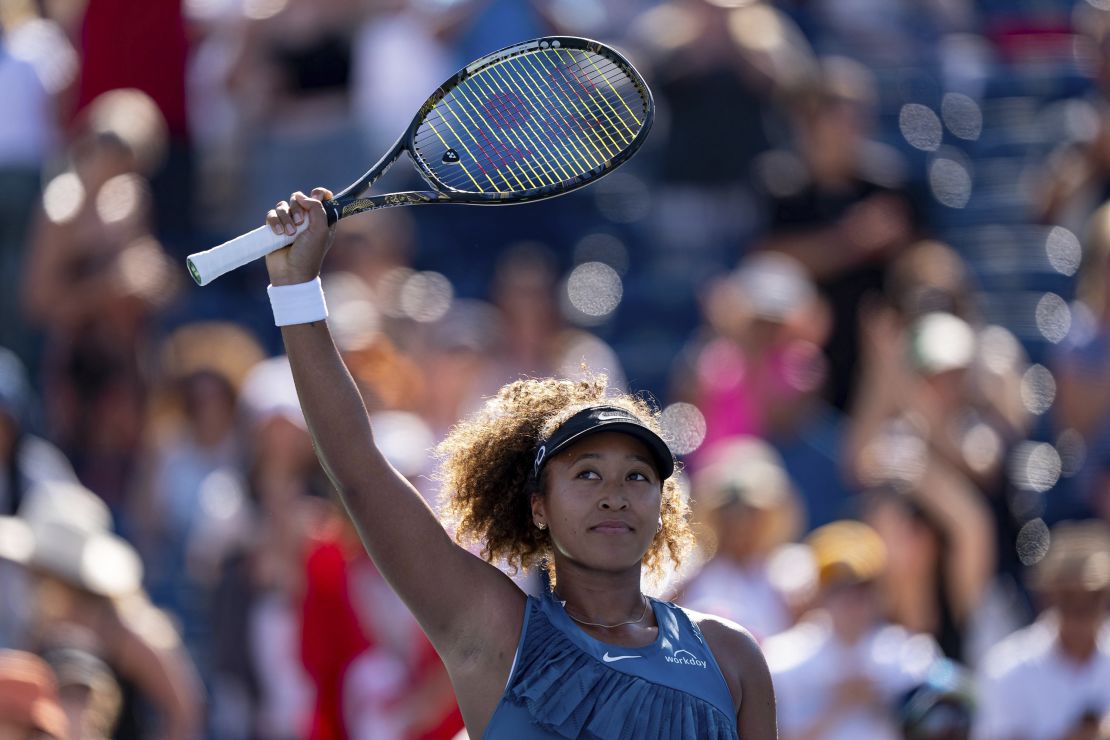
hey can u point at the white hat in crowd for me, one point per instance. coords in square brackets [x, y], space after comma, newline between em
[63, 530]
[268, 392]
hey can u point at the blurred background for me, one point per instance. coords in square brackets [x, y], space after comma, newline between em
[862, 264]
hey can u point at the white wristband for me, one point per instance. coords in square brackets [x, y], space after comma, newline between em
[302, 303]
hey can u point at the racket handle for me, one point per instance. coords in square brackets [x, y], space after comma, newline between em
[208, 265]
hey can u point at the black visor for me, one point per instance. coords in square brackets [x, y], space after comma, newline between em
[604, 419]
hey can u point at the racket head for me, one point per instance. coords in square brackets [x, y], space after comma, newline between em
[533, 120]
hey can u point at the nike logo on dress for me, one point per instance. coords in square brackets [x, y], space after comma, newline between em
[614, 658]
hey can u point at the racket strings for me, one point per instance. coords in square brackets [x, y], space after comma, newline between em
[581, 105]
[569, 118]
[533, 120]
[569, 124]
[553, 161]
[576, 83]
[547, 130]
[479, 148]
[575, 112]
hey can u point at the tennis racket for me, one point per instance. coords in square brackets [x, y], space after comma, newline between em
[531, 121]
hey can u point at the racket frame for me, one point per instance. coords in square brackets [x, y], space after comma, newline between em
[353, 199]
[349, 202]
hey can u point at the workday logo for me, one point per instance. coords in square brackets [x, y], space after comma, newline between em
[685, 657]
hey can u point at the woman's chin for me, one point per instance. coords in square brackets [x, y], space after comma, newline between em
[610, 560]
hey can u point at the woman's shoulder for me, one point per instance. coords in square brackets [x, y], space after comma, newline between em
[737, 652]
[725, 635]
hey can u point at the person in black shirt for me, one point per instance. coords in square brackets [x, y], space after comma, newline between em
[838, 206]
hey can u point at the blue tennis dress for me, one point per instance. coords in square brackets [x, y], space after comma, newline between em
[566, 684]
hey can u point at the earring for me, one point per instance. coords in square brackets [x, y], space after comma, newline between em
[660, 527]
[541, 526]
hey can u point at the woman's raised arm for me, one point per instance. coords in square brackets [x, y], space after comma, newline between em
[465, 605]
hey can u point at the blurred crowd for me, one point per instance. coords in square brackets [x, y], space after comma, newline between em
[862, 265]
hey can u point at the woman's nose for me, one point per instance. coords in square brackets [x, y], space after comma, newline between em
[613, 502]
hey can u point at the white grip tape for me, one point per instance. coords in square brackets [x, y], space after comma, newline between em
[208, 265]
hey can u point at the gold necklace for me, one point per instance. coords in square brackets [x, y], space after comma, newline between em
[606, 626]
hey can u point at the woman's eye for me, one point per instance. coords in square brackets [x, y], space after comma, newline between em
[637, 477]
[588, 475]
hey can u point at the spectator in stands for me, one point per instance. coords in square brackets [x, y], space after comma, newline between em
[941, 708]
[742, 493]
[719, 73]
[95, 280]
[87, 691]
[756, 368]
[377, 251]
[375, 344]
[759, 364]
[145, 48]
[187, 511]
[1075, 177]
[385, 88]
[531, 334]
[36, 62]
[841, 208]
[88, 580]
[1052, 679]
[842, 670]
[457, 353]
[938, 410]
[525, 292]
[375, 673]
[1081, 365]
[27, 462]
[938, 534]
[292, 81]
[260, 684]
[29, 708]
[928, 277]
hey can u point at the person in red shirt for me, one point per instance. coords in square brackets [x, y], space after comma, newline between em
[376, 674]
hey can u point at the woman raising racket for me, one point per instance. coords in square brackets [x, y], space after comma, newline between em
[562, 472]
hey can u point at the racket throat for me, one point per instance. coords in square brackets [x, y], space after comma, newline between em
[333, 210]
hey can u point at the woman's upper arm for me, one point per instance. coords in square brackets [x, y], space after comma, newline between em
[745, 669]
[458, 598]
[756, 718]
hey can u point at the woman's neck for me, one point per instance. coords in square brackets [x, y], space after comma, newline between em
[599, 597]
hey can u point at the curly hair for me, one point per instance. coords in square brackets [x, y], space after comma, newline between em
[486, 461]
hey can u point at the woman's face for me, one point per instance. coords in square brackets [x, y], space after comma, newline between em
[602, 502]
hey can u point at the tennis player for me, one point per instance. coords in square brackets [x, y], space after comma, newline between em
[567, 476]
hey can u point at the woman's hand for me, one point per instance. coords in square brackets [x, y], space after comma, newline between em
[300, 261]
